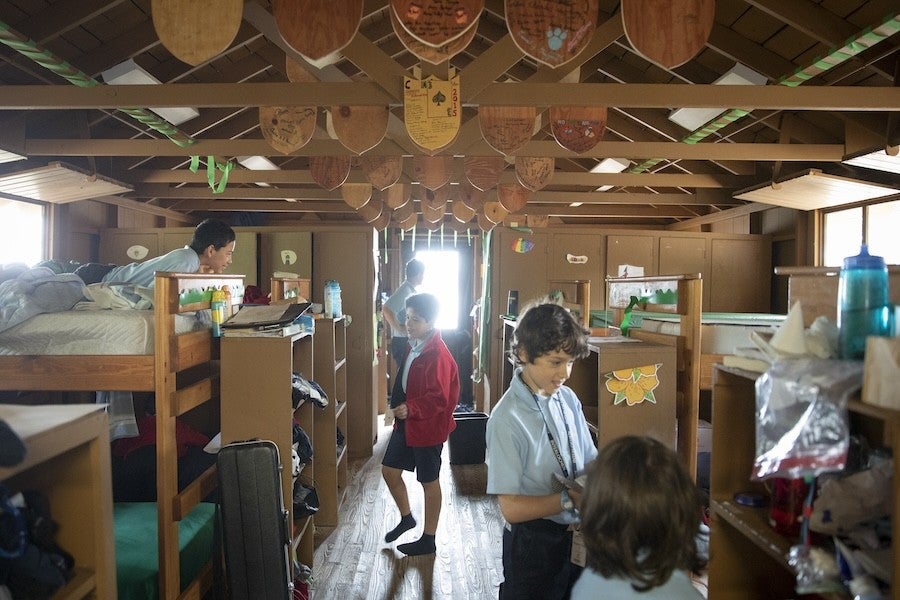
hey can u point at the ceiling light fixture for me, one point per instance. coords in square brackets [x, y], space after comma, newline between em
[258, 163]
[881, 160]
[812, 189]
[9, 156]
[693, 119]
[130, 73]
[610, 165]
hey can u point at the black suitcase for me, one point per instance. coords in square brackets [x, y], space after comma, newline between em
[255, 529]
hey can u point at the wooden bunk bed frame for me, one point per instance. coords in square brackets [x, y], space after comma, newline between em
[157, 373]
[689, 289]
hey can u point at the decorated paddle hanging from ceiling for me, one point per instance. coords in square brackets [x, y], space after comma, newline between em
[668, 33]
[462, 212]
[192, 31]
[512, 196]
[382, 171]
[356, 195]
[578, 128]
[484, 171]
[436, 22]
[329, 171]
[287, 128]
[359, 128]
[317, 29]
[397, 195]
[534, 173]
[507, 128]
[552, 32]
[431, 111]
[432, 171]
[432, 54]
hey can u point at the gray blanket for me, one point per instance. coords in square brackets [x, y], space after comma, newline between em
[36, 291]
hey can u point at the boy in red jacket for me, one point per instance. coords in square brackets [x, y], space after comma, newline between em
[426, 391]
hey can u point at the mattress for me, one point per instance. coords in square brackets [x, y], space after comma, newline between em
[720, 333]
[88, 332]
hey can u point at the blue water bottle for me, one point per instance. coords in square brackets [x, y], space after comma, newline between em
[863, 308]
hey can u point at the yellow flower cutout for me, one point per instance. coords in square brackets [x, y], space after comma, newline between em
[633, 385]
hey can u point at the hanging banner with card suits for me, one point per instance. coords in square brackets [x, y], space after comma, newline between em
[431, 110]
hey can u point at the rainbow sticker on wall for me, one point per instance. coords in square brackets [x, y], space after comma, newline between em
[633, 386]
[521, 245]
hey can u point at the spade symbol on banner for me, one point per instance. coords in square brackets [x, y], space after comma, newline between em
[439, 98]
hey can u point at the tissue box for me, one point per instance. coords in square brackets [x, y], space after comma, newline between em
[881, 375]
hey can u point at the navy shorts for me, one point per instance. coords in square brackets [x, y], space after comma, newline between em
[425, 461]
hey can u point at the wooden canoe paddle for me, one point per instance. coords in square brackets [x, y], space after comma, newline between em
[668, 33]
[470, 195]
[552, 32]
[403, 213]
[484, 171]
[462, 212]
[356, 195]
[195, 32]
[360, 128]
[495, 211]
[484, 223]
[382, 221]
[396, 195]
[433, 214]
[371, 211]
[317, 29]
[408, 222]
[329, 171]
[287, 128]
[436, 22]
[578, 128]
[506, 128]
[512, 196]
[432, 54]
[432, 171]
[435, 198]
[382, 171]
[534, 173]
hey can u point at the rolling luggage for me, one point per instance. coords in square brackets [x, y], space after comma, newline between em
[254, 522]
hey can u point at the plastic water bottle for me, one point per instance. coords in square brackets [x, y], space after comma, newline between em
[329, 299]
[336, 303]
[217, 310]
[863, 308]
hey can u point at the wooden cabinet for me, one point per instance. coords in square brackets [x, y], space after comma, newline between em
[740, 276]
[68, 461]
[287, 251]
[331, 457]
[637, 250]
[748, 559]
[680, 255]
[256, 394]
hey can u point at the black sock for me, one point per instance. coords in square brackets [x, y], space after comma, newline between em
[424, 545]
[406, 523]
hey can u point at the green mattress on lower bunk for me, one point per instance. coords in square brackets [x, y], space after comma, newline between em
[137, 559]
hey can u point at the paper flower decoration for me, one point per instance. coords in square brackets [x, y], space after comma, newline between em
[633, 386]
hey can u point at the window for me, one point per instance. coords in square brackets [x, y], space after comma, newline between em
[442, 280]
[874, 224]
[21, 232]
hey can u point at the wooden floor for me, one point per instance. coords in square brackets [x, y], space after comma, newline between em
[353, 562]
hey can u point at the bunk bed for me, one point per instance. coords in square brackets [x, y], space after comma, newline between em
[181, 371]
[687, 307]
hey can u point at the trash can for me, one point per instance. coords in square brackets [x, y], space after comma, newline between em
[467, 441]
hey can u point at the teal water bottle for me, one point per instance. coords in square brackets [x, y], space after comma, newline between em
[863, 308]
[329, 299]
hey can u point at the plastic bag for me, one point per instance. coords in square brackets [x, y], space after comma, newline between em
[802, 427]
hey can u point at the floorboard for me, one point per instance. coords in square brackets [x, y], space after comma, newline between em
[353, 562]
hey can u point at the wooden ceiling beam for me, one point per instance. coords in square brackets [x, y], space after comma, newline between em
[560, 178]
[725, 215]
[631, 150]
[649, 95]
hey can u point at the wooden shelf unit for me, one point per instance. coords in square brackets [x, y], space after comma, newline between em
[748, 559]
[257, 403]
[67, 459]
[331, 459]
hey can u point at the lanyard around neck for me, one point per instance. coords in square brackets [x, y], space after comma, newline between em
[552, 440]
